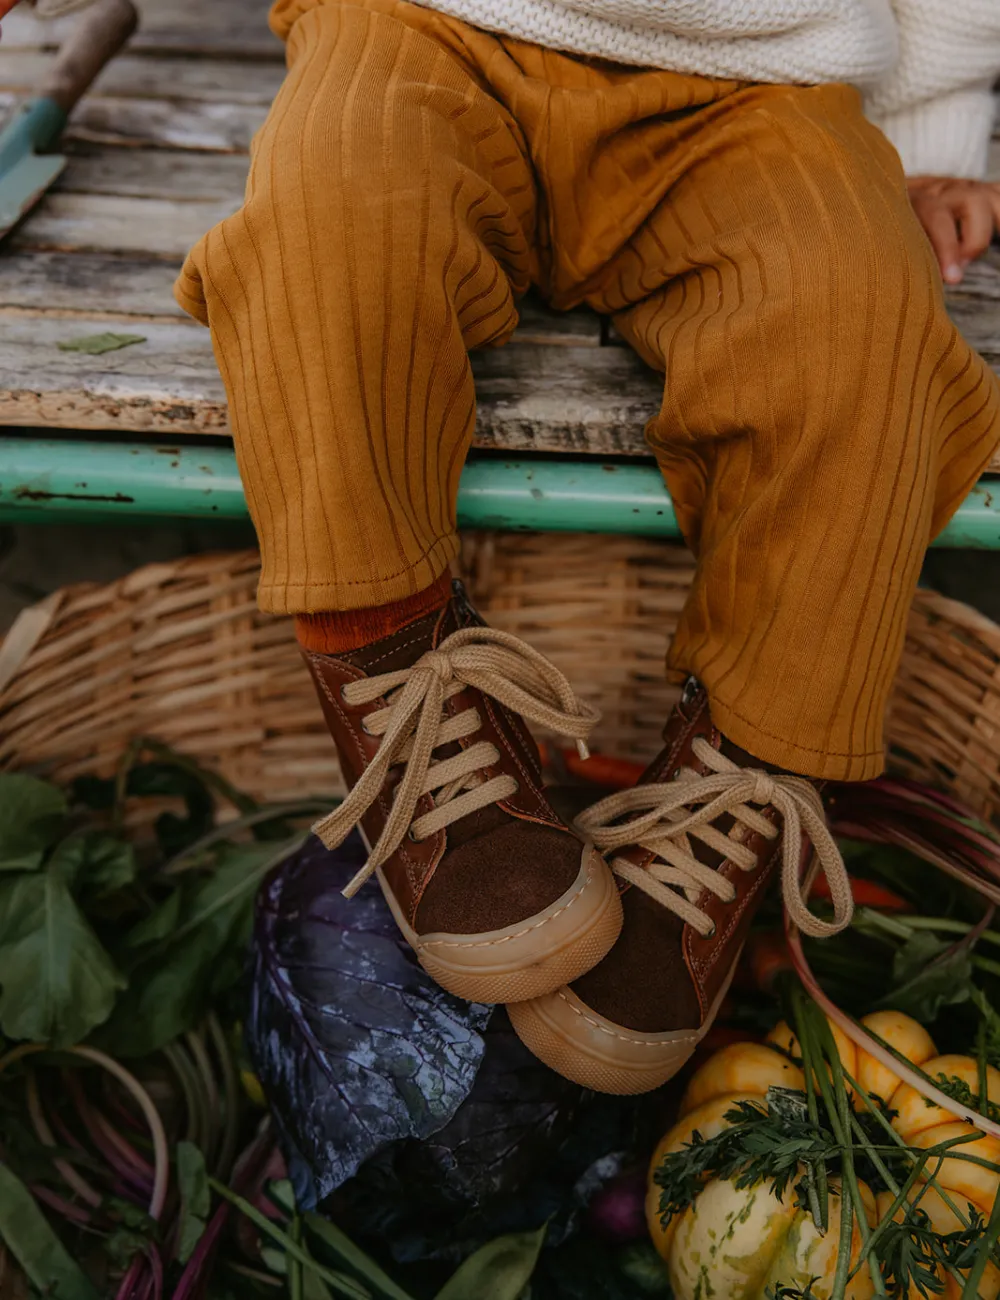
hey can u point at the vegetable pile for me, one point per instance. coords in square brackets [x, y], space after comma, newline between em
[718, 1205]
[219, 1080]
[138, 1158]
[848, 1156]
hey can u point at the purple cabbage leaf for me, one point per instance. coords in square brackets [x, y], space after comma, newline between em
[355, 1045]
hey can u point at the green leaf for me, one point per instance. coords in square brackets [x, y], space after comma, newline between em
[275, 1259]
[31, 814]
[159, 924]
[109, 864]
[642, 1266]
[500, 1271]
[925, 981]
[340, 1283]
[56, 980]
[95, 344]
[313, 1287]
[338, 1244]
[196, 1198]
[991, 1026]
[190, 951]
[26, 1233]
[354, 1257]
[122, 1246]
[93, 862]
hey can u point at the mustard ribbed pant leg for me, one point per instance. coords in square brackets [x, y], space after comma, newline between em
[387, 228]
[822, 416]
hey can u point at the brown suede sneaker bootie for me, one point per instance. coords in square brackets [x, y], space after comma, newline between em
[496, 895]
[694, 847]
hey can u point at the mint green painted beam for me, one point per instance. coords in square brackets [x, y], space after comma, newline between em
[49, 480]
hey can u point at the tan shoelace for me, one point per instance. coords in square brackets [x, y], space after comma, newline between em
[661, 820]
[412, 726]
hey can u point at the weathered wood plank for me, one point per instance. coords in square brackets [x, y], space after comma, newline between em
[167, 382]
[224, 28]
[975, 307]
[88, 284]
[530, 395]
[565, 399]
[153, 173]
[162, 123]
[156, 227]
[570, 396]
[137, 76]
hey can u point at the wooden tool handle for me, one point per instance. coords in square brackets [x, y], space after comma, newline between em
[101, 33]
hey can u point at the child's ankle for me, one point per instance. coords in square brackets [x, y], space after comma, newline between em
[337, 632]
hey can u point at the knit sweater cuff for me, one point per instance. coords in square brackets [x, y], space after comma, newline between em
[947, 136]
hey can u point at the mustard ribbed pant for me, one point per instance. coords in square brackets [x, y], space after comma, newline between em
[822, 417]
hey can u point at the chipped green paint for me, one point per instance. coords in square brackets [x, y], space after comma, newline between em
[69, 480]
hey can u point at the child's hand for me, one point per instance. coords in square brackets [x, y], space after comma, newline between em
[960, 218]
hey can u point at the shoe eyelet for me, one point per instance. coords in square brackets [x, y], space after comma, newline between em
[677, 774]
[712, 933]
[414, 839]
[366, 729]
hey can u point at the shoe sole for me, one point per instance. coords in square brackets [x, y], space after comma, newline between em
[581, 1045]
[531, 958]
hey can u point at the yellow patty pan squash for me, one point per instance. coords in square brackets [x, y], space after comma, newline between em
[736, 1244]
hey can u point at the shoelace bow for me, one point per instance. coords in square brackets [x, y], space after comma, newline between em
[412, 725]
[661, 820]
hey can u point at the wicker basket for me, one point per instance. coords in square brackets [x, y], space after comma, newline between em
[180, 652]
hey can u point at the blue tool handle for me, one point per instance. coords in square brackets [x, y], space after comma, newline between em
[34, 130]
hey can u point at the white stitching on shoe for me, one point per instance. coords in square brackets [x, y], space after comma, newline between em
[413, 724]
[533, 925]
[415, 870]
[621, 1034]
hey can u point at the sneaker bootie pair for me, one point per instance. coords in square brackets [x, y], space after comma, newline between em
[613, 944]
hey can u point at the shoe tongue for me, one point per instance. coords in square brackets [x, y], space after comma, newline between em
[403, 648]
[399, 649]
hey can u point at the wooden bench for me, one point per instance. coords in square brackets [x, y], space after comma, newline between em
[158, 154]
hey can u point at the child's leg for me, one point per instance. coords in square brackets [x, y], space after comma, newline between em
[822, 417]
[386, 230]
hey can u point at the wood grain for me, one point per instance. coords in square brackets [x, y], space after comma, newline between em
[531, 395]
[220, 28]
[153, 76]
[86, 285]
[160, 123]
[156, 227]
[156, 155]
[168, 382]
[553, 388]
[153, 173]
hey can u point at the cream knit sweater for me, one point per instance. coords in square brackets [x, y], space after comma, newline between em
[926, 67]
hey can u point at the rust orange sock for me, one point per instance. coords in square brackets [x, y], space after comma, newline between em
[337, 631]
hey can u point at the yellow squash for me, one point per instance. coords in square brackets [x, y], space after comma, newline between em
[738, 1243]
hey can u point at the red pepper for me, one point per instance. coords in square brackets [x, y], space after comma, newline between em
[767, 956]
[601, 769]
[866, 893]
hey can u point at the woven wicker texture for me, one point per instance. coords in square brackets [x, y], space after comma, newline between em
[180, 652]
